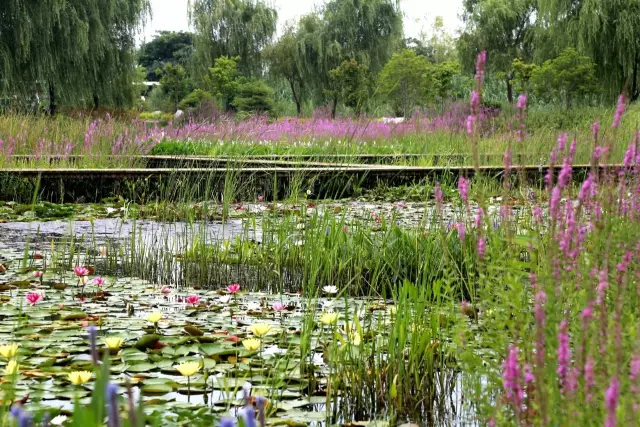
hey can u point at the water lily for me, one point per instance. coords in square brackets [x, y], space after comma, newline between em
[79, 377]
[33, 297]
[165, 290]
[8, 350]
[81, 271]
[154, 317]
[192, 299]
[278, 306]
[188, 369]
[260, 198]
[233, 288]
[58, 421]
[12, 368]
[113, 343]
[38, 274]
[329, 318]
[251, 344]
[330, 289]
[260, 329]
[98, 281]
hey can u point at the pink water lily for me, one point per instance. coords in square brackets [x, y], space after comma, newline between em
[98, 281]
[260, 198]
[192, 299]
[165, 290]
[38, 274]
[81, 271]
[234, 288]
[278, 306]
[33, 297]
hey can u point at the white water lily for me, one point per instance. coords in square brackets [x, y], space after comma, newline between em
[225, 299]
[330, 289]
[58, 421]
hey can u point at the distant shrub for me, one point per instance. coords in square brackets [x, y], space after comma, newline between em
[195, 99]
[255, 97]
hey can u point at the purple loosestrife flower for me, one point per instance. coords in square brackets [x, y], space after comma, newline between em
[630, 155]
[528, 375]
[507, 161]
[511, 380]
[113, 406]
[587, 189]
[482, 248]
[564, 354]
[603, 285]
[617, 116]
[461, 230]
[478, 217]
[611, 401]
[522, 101]
[554, 204]
[437, 192]
[595, 128]
[634, 373]
[589, 377]
[562, 141]
[463, 188]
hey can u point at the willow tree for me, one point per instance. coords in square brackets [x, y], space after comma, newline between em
[282, 62]
[504, 28]
[231, 28]
[77, 51]
[608, 31]
[368, 31]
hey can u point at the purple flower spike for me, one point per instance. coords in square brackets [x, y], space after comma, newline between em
[92, 344]
[227, 422]
[249, 416]
[113, 406]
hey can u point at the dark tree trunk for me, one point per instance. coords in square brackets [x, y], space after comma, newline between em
[634, 80]
[296, 97]
[52, 100]
[509, 90]
[334, 107]
[96, 101]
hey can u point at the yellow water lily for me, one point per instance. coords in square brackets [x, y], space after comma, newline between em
[355, 338]
[154, 317]
[79, 377]
[8, 350]
[11, 368]
[188, 369]
[251, 344]
[329, 318]
[260, 329]
[113, 343]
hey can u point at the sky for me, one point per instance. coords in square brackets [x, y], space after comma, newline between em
[171, 15]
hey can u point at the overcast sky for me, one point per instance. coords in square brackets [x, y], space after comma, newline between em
[171, 15]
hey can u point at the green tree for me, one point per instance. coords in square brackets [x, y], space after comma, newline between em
[241, 28]
[351, 84]
[166, 47]
[522, 74]
[79, 51]
[443, 75]
[173, 80]
[368, 31]
[566, 78]
[437, 46]
[608, 31]
[504, 28]
[254, 96]
[283, 62]
[224, 80]
[406, 80]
